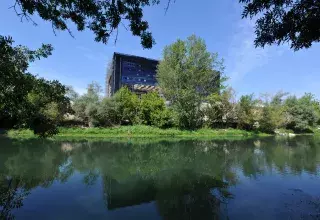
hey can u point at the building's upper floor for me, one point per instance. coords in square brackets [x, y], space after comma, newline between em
[137, 73]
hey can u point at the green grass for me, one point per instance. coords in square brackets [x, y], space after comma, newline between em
[20, 132]
[138, 131]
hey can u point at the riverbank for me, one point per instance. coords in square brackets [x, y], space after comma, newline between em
[138, 131]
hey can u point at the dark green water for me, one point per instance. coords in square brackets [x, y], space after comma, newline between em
[245, 179]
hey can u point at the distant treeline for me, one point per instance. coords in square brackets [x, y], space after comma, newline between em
[220, 110]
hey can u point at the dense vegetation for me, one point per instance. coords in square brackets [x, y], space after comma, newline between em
[221, 110]
[124, 108]
[25, 100]
[190, 80]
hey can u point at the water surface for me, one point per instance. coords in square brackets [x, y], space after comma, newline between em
[265, 178]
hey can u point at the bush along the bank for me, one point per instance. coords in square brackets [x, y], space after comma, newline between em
[221, 110]
[124, 108]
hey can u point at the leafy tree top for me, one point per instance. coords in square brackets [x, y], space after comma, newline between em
[188, 67]
[17, 58]
[101, 17]
[294, 21]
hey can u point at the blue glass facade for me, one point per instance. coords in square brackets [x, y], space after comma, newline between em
[137, 73]
[133, 72]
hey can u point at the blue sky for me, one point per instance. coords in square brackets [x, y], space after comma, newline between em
[80, 60]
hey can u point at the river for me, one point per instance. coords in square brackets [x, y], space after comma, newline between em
[265, 178]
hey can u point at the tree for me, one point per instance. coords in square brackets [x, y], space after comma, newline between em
[221, 109]
[101, 17]
[271, 113]
[187, 74]
[71, 94]
[294, 21]
[278, 98]
[47, 107]
[247, 112]
[15, 81]
[127, 106]
[151, 103]
[301, 112]
[107, 113]
[276, 107]
[27, 101]
[86, 106]
[266, 122]
[317, 109]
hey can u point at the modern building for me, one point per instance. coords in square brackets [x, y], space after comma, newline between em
[137, 73]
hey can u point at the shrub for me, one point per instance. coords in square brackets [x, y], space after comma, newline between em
[127, 106]
[107, 113]
[164, 119]
[151, 106]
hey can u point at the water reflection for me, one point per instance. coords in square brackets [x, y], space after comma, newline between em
[11, 196]
[179, 196]
[183, 179]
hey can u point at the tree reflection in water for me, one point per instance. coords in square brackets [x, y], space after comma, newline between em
[11, 196]
[185, 179]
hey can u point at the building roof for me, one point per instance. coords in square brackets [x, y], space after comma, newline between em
[134, 56]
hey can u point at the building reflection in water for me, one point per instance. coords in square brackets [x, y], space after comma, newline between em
[181, 195]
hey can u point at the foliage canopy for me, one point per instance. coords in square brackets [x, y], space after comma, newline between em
[101, 17]
[294, 21]
[187, 74]
[27, 101]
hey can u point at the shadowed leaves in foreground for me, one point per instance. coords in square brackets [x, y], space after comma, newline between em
[294, 21]
[101, 17]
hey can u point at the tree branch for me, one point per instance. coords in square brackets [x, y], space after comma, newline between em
[168, 5]
[115, 41]
[23, 14]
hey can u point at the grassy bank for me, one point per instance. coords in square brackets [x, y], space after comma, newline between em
[138, 131]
